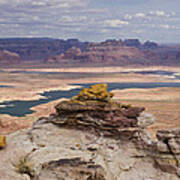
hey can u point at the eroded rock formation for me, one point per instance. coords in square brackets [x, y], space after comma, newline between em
[106, 52]
[128, 52]
[39, 48]
[92, 137]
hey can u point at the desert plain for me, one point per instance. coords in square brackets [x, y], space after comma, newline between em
[24, 83]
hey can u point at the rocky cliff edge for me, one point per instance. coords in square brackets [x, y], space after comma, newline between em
[91, 137]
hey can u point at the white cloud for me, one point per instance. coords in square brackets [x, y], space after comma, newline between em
[72, 19]
[140, 15]
[128, 17]
[115, 23]
[83, 19]
[138, 31]
[165, 26]
[104, 30]
[36, 3]
[159, 13]
[44, 3]
[66, 19]
[35, 18]
[151, 15]
[173, 13]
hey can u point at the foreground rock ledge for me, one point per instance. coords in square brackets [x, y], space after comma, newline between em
[91, 137]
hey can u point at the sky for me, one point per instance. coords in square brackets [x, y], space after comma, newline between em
[92, 20]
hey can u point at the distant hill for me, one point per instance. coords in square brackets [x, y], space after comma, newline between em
[113, 52]
[38, 48]
[73, 51]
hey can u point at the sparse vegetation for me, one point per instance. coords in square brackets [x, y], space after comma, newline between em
[24, 166]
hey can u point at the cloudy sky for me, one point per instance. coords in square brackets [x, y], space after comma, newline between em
[92, 20]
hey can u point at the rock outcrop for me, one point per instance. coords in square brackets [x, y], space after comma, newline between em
[92, 137]
[93, 108]
[169, 147]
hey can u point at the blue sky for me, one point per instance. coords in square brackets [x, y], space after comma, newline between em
[92, 20]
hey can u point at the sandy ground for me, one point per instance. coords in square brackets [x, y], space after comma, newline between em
[99, 69]
[163, 103]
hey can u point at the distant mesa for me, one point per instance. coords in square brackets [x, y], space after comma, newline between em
[72, 51]
[150, 45]
[108, 52]
[118, 52]
[39, 48]
[132, 42]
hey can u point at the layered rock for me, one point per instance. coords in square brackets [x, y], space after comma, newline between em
[119, 52]
[109, 52]
[92, 137]
[72, 51]
[39, 48]
[93, 108]
[169, 148]
[70, 54]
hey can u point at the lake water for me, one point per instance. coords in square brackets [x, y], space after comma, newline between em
[166, 74]
[22, 108]
[4, 86]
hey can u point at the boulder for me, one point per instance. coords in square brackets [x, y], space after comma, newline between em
[168, 146]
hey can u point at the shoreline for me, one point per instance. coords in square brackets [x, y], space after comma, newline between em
[85, 69]
[38, 95]
[28, 86]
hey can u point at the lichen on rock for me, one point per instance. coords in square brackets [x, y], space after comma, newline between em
[93, 107]
[95, 92]
[2, 141]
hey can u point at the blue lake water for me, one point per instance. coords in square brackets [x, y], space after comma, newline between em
[22, 108]
[4, 86]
